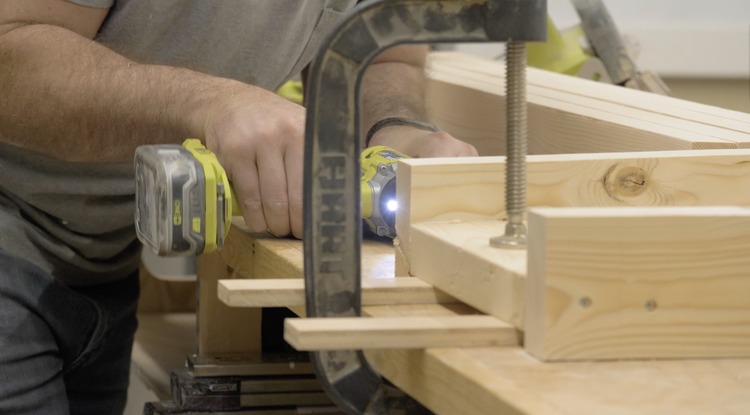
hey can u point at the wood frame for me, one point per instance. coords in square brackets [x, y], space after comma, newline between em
[447, 244]
[492, 380]
[506, 379]
[224, 329]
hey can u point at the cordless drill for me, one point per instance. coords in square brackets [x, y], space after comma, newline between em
[185, 203]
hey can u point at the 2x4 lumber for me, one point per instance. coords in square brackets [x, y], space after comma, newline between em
[671, 106]
[467, 97]
[456, 257]
[476, 115]
[431, 190]
[649, 130]
[223, 329]
[290, 292]
[355, 333]
[267, 256]
[622, 283]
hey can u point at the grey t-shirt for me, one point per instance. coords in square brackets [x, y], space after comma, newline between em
[75, 220]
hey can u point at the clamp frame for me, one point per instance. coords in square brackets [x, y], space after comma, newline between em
[332, 212]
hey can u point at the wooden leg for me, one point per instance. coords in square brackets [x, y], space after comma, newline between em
[223, 329]
[624, 283]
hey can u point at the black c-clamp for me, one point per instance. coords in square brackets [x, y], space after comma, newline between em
[332, 211]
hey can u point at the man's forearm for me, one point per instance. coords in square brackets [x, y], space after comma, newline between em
[395, 87]
[73, 99]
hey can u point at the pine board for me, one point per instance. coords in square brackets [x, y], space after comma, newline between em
[625, 283]
[290, 292]
[570, 115]
[414, 332]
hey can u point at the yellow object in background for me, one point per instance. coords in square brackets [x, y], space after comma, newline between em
[293, 91]
[561, 53]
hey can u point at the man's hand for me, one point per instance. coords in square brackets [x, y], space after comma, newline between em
[258, 138]
[415, 142]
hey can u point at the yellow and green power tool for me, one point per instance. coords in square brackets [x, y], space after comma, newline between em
[185, 204]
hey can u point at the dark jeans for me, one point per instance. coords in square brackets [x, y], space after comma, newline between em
[63, 350]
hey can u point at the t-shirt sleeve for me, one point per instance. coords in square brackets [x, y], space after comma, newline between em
[99, 4]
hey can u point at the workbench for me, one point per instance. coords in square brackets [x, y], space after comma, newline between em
[568, 117]
[500, 380]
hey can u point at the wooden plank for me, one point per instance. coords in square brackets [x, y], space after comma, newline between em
[161, 343]
[470, 105]
[492, 380]
[241, 253]
[356, 333]
[457, 258]
[614, 114]
[282, 257]
[695, 387]
[475, 88]
[223, 329]
[476, 116]
[471, 388]
[162, 296]
[291, 292]
[638, 283]
[472, 188]
[678, 108]
[508, 380]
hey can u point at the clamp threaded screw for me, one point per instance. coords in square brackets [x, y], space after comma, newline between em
[515, 166]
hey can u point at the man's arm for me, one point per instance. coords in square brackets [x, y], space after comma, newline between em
[68, 97]
[394, 86]
[57, 83]
[73, 99]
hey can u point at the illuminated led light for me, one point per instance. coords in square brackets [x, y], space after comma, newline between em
[392, 205]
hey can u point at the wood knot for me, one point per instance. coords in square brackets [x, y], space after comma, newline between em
[625, 181]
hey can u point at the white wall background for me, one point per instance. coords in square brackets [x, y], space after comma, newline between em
[677, 38]
[687, 38]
